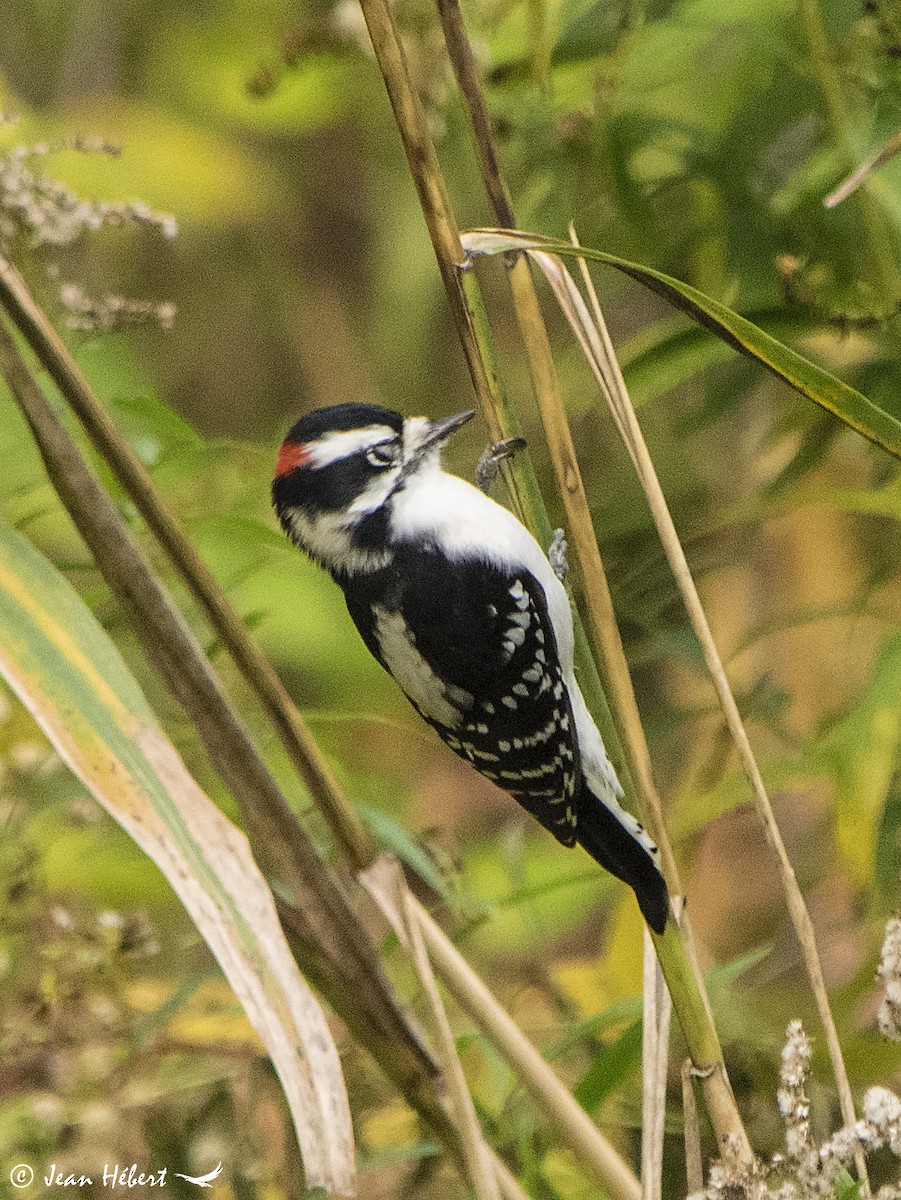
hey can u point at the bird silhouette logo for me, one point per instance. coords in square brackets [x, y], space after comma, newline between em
[203, 1181]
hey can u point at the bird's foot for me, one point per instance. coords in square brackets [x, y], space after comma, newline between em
[556, 555]
[491, 458]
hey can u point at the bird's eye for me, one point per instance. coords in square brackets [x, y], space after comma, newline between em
[382, 455]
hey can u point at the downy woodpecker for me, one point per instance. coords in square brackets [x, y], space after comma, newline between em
[457, 601]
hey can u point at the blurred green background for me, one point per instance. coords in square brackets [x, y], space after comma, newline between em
[698, 137]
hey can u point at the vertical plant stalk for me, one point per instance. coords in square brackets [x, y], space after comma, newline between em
[354, 841]
[387, 886]
[459, 282]
[694, 1168]
[539, 40]
[656, 1013]
[612, 383]
[677, 954]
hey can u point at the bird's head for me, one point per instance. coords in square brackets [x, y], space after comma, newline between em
[338, 472]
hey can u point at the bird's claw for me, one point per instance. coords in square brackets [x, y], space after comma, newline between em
[491, 458]
[556, 555]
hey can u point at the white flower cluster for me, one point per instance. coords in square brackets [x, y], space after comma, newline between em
[50, 211]
[45, 213]
[807, 1171]
[112, 312]
[890, 972]
[792, 1098]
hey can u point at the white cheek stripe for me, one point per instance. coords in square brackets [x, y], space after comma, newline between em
[327, 540]
[332, 447]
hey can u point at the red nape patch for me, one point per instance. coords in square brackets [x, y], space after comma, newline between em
[291, 455]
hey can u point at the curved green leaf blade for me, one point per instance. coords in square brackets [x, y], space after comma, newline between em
[67, 672]
[825, 389]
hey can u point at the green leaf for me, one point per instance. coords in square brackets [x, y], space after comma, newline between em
[861, 754]
[627, 1009]
[395, 838]
[719, 979]
[67, 672]
[847, 1188]
[736, 331]
[612, 1065]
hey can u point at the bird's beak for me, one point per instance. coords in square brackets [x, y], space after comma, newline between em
[440, 431]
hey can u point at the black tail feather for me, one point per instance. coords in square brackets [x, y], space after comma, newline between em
[610, 844]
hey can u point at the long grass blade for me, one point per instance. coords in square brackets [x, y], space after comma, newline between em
[70, 676]
[825, 389]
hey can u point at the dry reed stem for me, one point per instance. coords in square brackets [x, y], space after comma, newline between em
[459, 281]
[657, 1011]
[386, 884]
[613, 385]
[678, 956]
[694, 1168]
[428, 180]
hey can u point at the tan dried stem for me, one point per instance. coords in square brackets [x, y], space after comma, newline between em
[610, 378]
[656, 1014]
[676, 947]
[388, 887]
[694, 1168]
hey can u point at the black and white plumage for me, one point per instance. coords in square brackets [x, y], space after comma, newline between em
[457, 601]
